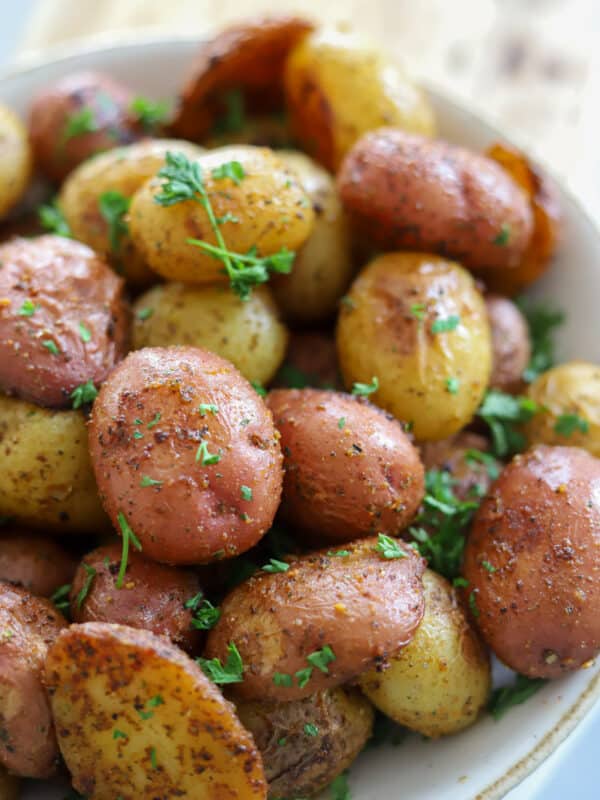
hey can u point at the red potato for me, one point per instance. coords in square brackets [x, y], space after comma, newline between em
[37, 563]
[511, 348]
[185, 452]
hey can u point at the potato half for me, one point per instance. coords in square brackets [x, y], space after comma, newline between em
[15, 160]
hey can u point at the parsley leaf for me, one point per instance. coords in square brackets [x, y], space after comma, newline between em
[52, 219]
[388, 547]
[418, 310]
[207, 458]
[207, 408]
[445, 325]
[503, 413]
[504, 698]
[275, 566]
[259, 388]
[231, 169]
[51, 347]
[28, 309]
[232, 121]
[205, 615]
[148, 481]
[365, 389]
[87, 585]
[473, 604]
[321, 658]
[503, 236]
[339, 789]
[310, 729]
[487, 459]
[144, 313]
[283, 679]
[83, 394]
[128, 536]
[113, 207]
[246, 492]
[150, 113]
[542, 323]
[230, 672]
[79, 123]
[84, 333]
[567, 424]
[60, 598]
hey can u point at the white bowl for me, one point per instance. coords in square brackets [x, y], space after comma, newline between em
[486, 761]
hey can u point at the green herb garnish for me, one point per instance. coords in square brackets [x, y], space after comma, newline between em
[505, 698]
[275, 566]
[28, 309]
[83, 394]
[207, 408]
[230, 672]
[113, 207]
[79, 123]
[51, 347]
[84, 333]
[389, 548]
[246, 492]
[144, 314]
[452, 385]
[321, 658]
[60, 598]
[205, 616]
[446, 324]
[503, 237]
[568, 424]
[473, 604]
[542, 323]
[283, 679]
[148, 481]
[365, 389]
[503, 413]
[259, 388]
[232, 170]
[150, 113]
[87, 585]
[418, 310]
[232, 121]
[310, 729]
[128, 536]
[205, 457]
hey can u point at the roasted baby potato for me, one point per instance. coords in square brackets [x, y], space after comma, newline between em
[246, 332]
[511, 348]
[186, 455]
[568, 398]
[28, 625]
[350, 470]
[466, 458]
[532, 562]
[418, 324]
[405, 192]
[46, 480]
[323, 266]
[320, 623]
[37, 563]
[440, 682]
[15, 160]
[137, 718]
[306, 744]
[310, 360]
[338, 87]
[263, 206]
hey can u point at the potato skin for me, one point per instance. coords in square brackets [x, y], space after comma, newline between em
[152, 598]
[471, 477]
[385, 330]
[511, 348]
[277, 620]
[101, 677]
[46, 480]
[198, 513]
[15, 160]
[247, 333]
[36, 563]
[571, 388]
[305, 764]
[270, 206]
[29, 626]
[67, 286]
[538, 528]
[441, 681]
[338, 87]
[405, 192]
[350, 470]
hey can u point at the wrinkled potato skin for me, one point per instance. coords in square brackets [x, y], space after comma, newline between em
[441, 681]
[571, 388]
[306, 764]
[379, 335]
[472, 478]
[323, 267]
[511, 348]
[198, 514]
[29, 626]
[269, 203]
[277, 620]
[36, 563]
[100, 677]
[342, 484]
[124, 170]
[311, 358]
[247, 333]
[406, 192]
[538, 528]
[15, 160]
[9, 786]
[46, 480]
[338, 88]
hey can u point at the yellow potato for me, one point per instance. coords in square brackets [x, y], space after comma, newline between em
[247, 333]
[136, 718]
[441, 680]
[569, 397]
[46, 479]
[265, 209]
[9, 786]
[338, 87]
[15, 160]
[123, 170]
[323, 266]
[417, 323]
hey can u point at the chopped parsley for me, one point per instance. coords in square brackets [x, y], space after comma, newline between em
[389, 548]
[83, 394]
[503, 413]
[207, 408]
[503, 236]
[275, 566]
[113, 207]
[84, 333]
[232, 170]
[418, 310]
[342, 423]
[283, 679]
[303, 676]
[230, 672]
[246, 493]
[205, 616]
[79, 123]
[51, 347]
[150, 113]
[205, 457]
[488, 567]
[155, 701]
[87, 585]
[568, 424]
[310, 729]
[339, 789]
[506, 697]
[153, 759]
[154, 421]
[148, 481]
[473, 604]
[446, 324]
[117, 734]
[365, 389]
[232, 121]
[28, 309]
[128, 536]
[53, 220]
[321, 658]
[338, 553]
[542, 323]
[460, 582]
[60, 598]
[144, 313]
[487, 459]
[259, 388]
[452, 385]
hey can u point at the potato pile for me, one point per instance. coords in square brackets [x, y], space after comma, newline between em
[282, 451]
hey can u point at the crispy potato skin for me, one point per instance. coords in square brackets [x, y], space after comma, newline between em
[571, 388]
[107, 104]
[441, 681]
[101, 676]
[350, 470]
[269, 204]
[277, 620]
[406, 192]
[46, 480]
[248, 56]
[68, 286]
[538, 528]
[511, 348]
[311, 358]
[36, 563]
[15, 160]
[472, 478]
[385, 330]
[305, 764]
[246, 332]
[338, 87]
[152, 598]
[29, 626]
[198, 513]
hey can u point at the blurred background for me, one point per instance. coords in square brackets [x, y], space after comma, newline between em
[531, 66]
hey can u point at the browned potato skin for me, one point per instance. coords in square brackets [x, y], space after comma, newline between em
[342, 484]
[313, 354]
[538, 528]
[198, 513]
[51, 110]
[152, 597]
[70, 286]
[277, 620]
[304, 764]
[472, 478]
[29, 626]
[406, 192]
[36, 563]
[511, 348]
[15, 160]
